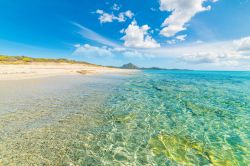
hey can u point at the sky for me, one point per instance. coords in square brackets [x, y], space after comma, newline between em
[184, 34]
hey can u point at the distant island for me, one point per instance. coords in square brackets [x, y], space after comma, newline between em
[132, 66]
[129, 66]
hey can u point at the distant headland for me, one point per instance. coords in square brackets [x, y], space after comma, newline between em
[132, 66]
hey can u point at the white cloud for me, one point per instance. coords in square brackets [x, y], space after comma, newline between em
[129, 14]
[171, 42]
[181, 37]
[92, 51]
[91, 35]
[182, 12]
[225, 58]
[132, 53]
[177, 39]
[116, 7]
[98, 11]
[107, 18]
[221, 54]
[121, 17]
[122, 30]
[77, 45]
[234, 52]
[243, 44]
[138, 37]
[87, 50]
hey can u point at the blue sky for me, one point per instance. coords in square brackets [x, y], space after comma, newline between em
[194, 34]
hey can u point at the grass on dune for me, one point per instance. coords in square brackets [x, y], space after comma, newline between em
[25, 59]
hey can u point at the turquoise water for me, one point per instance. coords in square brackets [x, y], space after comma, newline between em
[175, 118]
[150, 118]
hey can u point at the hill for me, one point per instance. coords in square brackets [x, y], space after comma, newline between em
[129, 66]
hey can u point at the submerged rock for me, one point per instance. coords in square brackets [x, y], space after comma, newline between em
[184, 150]
[124, 118]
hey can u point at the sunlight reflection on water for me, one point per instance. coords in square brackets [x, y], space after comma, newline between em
[154, 118]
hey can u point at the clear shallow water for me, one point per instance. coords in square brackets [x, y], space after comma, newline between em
[175, 118]
[153, 118]
[42, 120]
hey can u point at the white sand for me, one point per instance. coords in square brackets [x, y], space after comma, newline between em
[37, 70]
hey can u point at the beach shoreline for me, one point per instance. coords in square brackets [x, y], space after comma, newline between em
[49, 69]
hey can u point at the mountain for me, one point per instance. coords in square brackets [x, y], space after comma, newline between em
[129, 66]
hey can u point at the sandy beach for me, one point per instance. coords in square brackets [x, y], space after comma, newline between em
[47, 69]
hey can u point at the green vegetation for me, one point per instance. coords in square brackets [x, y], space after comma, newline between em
[24, 59]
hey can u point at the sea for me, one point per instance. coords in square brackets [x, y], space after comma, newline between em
[153, 117]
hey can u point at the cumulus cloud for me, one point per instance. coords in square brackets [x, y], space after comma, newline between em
[235, 52]
[181, 13]
[108, 18]
[116, 7]
[92, 51]
[181, 37]
[138, 37]
[104, 17]
[226, 53]
[87, 50]
[226, 58]
[128, 13]
[201, 57]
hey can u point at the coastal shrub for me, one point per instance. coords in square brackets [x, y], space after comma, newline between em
[24, 59]
[27, 59]
[3, 58]
[7, 58]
